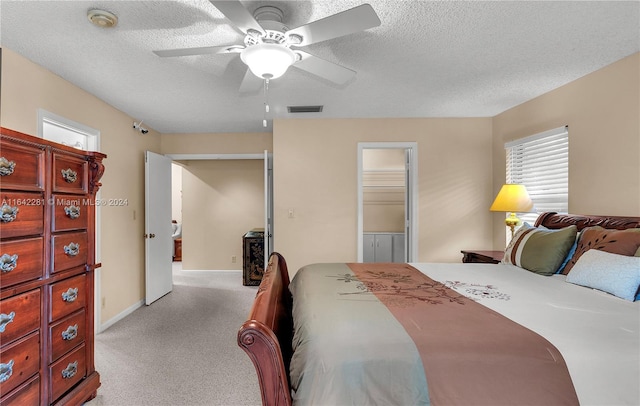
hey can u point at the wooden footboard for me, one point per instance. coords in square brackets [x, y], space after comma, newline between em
[266, 335]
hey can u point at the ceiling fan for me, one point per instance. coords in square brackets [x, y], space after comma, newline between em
[270, 47]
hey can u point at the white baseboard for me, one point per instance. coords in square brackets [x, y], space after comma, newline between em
[120, 316]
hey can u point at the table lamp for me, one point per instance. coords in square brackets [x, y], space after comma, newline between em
[512, 199]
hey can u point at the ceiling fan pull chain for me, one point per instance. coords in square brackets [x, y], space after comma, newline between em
[266, 102]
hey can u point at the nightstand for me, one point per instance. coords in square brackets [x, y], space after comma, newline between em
[483, 257]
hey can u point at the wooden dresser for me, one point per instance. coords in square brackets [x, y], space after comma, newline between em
[47, 263]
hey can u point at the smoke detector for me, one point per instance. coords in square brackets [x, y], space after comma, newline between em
[102, 18]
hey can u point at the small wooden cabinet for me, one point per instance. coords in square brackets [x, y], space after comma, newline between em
[47, 264]
[177, 249]
[253, 257]
[483, 257]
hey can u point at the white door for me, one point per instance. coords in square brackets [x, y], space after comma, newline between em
[157, 223]
[268, 206]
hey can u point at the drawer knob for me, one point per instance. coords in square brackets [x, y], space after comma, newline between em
[72, 249]
[6, 319]
[70, 333]
[73, 212]
[70, 295]
[8, 262]
[6, 166]
[69, 175]
[8, 213]
[70, 370]
[6, 370]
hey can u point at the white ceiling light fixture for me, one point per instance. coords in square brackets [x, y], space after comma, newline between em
[270, 47]
[268, 61]
[102, 18]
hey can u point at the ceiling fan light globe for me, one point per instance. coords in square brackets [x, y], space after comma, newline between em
[268, 61]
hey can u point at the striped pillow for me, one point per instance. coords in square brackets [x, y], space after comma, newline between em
[540, 250]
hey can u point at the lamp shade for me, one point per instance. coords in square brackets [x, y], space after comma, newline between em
[512, 198]
[268, 61]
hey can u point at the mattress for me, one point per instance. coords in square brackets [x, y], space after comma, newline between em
[597, 335]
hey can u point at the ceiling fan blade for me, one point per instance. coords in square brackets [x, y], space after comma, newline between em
[224, 49]
[250, 83]
[347, 22]
[238, 15]
[323, 68]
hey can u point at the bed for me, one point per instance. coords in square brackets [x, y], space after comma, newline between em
[582, 335]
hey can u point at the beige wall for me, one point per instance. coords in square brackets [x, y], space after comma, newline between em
[233, 143]
[602, 111]
[223, 199]
[315, 174]
[27, 87]
[176, 192]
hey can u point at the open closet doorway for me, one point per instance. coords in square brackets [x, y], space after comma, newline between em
[219, 199]
[387, 220]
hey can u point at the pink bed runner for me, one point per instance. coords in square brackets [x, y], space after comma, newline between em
[470, 353]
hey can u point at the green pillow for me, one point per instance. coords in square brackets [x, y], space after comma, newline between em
[540, 250]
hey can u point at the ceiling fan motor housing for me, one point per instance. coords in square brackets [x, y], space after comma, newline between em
[268, 13]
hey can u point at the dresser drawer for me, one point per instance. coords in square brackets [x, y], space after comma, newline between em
[21, 260]
[19, 315]
[21, 214]
[70, 174]
[69, 250]
[26, 395]
[19, 362]
[66, 334]
[21, 167]
[67, 296]
[69, 212]
[66, 372]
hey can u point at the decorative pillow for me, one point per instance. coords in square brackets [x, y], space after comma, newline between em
[623, 242]
[572, 250]
[540, 250]
[612, 273]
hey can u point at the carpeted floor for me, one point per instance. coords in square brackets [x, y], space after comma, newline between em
[182, 349]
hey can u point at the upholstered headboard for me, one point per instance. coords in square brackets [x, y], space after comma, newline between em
[554, 220]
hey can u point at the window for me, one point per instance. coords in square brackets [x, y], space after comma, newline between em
[541, 163]
[67, 132]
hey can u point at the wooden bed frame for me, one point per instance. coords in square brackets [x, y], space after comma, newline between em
[266, 335]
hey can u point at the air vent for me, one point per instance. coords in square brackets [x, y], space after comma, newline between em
[304, 109]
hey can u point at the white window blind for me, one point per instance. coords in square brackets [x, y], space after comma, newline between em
[541, 163]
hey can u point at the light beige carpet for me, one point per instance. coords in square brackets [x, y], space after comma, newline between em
[182, 349]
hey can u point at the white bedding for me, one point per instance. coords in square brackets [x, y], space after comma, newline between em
[598, 334]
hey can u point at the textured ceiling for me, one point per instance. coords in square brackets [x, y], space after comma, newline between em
[426, 59]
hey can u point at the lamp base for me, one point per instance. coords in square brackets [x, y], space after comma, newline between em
[512, 221]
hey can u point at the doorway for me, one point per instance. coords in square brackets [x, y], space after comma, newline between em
[387, 220]
[226, 196]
